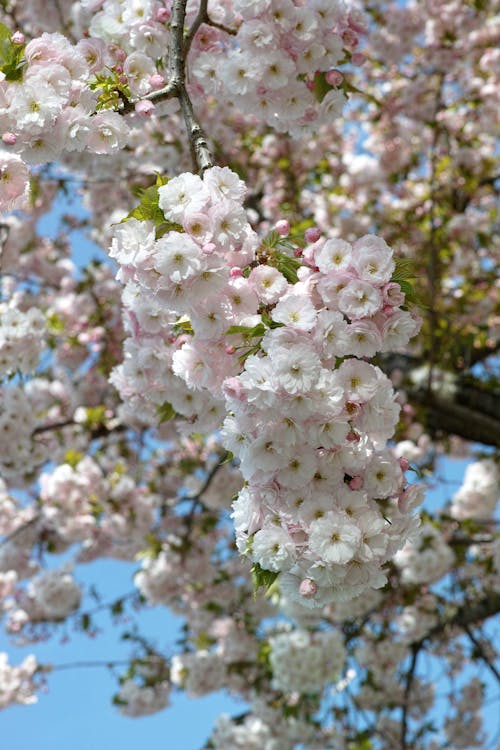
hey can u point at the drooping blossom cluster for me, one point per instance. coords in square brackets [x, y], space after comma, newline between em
[479, 493]
[425, 559]
[325, 502]
[21, 339]
[51, 595]
[303, 662]
[19, 418]
[105, 511]
[142, 700]
[17, 683]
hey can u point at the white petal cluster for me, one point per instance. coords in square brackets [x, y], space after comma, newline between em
[17, 683]
[426, 559]
[20, 453]
[51, 595]
[304, 662]
[275, 54]
[108, 512]
[142, 700]
[478, 496]
[198, 673]
[21, 339]
[325, 503]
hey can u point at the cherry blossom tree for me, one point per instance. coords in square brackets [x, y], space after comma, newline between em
[293, 316]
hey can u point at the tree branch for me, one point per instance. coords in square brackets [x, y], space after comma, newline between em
[481, 652]
[415, 649]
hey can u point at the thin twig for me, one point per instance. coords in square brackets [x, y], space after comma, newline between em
[481, 652]
[19, 530]
[85, 665]
[406, 698]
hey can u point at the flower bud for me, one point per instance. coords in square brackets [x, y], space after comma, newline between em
[144, 108]
[312, 234]
[282, 227]
[334, 77]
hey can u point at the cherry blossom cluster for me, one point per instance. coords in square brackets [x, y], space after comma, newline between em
[106, 511]
[17, 684]
[51, 595]
[302, 661]
[21, 339]
[425, 559]
[142, 700]
[325, 502]
[20, 454]
[478, 496]
[49, 110]
[270, 67]
[184, 290]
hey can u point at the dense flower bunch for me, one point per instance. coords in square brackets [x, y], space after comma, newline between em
[21, 339]
[303, 662]
[275, 65]
[478, 496]
[51, 595]
[20, 412]
[248, 357]
[17, 684]
[105, 511]
[46, 108]
[210, 311]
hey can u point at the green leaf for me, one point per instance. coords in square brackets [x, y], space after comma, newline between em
[287, 266]
[12, 62]
[247, 331]
[409, 292]
[405, 269]
[321, 87]
[262, 578]
[85, 621]
[165, 412]
[271, 240]
[149, 210]
[72, 457]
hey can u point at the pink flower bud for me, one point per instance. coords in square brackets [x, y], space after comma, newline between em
[358, 58]
[208, 248]
[282, 227]
[334, 77]
[392, 294]
[156, 81]
[298, 253]
[120, 54]
[235, 272]
[312, 234]
[17, 37]
[404, 463]
[119, 69]
[144, 108]
[356, 483]
[308, 588]
[9, 139]
[230, 350]
[162, 15]
[123, 80]
[350, 38]
[388, 310]
[352, 437]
